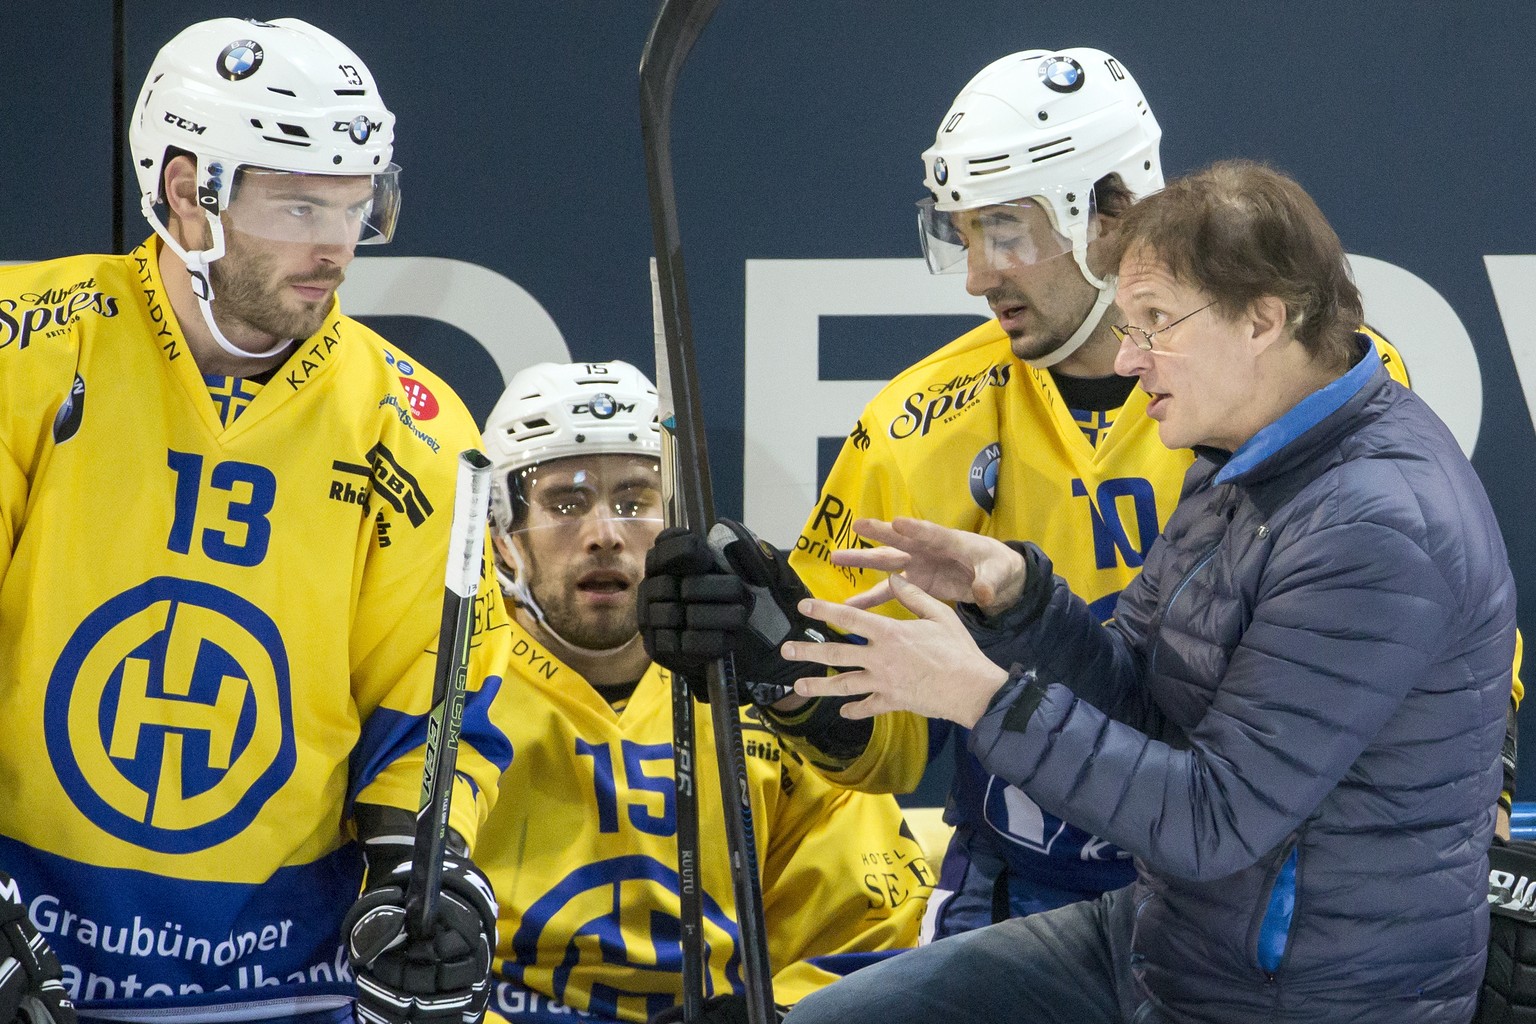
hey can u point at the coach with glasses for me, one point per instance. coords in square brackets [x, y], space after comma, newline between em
[1294, 721]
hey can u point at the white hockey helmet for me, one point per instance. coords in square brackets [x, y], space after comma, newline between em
[557, 410]
[257, 96]
[1039, 126]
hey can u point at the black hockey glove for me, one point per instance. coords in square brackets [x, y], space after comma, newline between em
[733, 594]
[730, 1009]
[1509, 984]
[31, 978]
[443, 978]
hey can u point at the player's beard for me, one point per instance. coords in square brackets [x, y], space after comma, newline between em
[249, 289]
[1048, 324]
[1036, 345]
[596, 630]
[1042, 334]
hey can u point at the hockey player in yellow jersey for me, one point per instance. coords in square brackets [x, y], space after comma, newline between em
[225, 513]
[584, 856]
[1017, 429]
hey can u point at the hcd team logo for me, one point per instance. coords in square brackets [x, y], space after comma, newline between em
[588, 906]
[169, 717]
[240, 59]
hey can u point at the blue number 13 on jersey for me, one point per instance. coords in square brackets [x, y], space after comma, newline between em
[251, 491]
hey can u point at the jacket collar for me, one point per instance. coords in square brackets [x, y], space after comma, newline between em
[1274, 448]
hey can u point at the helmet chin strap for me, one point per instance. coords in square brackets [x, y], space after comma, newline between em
[1106, 288]
[587, 652]
[1088, 326]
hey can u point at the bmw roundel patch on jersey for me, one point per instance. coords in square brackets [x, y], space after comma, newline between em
[983, 476]
[1061, 74]
[66, 422]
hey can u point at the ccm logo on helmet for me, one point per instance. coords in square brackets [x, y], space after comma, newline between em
[184, 123]
[240, 59]
[602, 407]
[359, 129]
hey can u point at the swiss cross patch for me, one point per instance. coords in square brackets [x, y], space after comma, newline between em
[423, 402]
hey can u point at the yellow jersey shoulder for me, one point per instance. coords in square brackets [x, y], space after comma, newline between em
[981, 356]
[43, 304]
[1397, 369]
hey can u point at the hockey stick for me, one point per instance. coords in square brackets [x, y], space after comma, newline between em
[466, 549]
[678, 24]
[690, 900]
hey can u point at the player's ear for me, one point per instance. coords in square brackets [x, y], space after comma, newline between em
[180, 186]
[187, 222]
[1101, 231]
[506, 547]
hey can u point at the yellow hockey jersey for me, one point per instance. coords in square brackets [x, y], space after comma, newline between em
[214, 640]
[582, 853]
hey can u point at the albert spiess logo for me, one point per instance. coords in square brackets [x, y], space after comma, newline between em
[169, 716]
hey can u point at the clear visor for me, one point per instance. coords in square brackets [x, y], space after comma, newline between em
[1002, 235]
[620, 493]
[315, 209]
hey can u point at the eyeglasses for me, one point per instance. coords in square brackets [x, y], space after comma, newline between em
[1142, 338]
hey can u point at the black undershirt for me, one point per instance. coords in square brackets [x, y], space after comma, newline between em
[618, 694]
[1093, 394]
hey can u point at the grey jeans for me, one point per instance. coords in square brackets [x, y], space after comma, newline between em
[1071, 965]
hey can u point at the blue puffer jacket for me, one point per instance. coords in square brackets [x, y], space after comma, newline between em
[1294, 722]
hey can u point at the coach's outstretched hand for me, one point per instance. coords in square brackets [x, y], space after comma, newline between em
[951, 565]
[31, 978]
[732, 594]
[443, 977]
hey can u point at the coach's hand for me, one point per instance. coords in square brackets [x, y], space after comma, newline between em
[949, 564]
[31, 978]
[443, 977]
[729, 595]
[928, 664]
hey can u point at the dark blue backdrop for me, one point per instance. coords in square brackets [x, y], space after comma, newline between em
[796, 138]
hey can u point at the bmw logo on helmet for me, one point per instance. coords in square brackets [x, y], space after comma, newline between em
[603, 406]
[1061, 74]
[359, 129]
[940, 171]
[240, 59]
